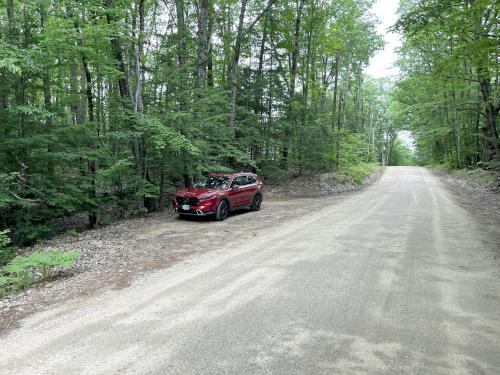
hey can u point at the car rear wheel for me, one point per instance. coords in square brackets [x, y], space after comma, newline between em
[257, 201]
[222, 211]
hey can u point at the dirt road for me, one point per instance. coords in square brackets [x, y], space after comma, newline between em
[395, 279]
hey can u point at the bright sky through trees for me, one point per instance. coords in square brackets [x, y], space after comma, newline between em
[382, 64]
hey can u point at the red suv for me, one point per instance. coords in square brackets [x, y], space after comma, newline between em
[219, 194]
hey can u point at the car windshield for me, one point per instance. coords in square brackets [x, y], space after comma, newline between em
[213, 182]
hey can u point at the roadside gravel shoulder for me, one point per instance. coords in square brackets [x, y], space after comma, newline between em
[475, 181]
[480, 199]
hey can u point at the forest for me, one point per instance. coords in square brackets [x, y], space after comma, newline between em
[118, 102]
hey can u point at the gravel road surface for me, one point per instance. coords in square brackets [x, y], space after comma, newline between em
[397, 279]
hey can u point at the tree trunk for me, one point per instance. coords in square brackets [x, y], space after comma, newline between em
[181, 53]
[202, 44]
[293, 77]
[116, 48]
[12, 22]
[258, 78]
[258, 107]
[335, 89]
[47, 95]
[490, 130]
[181, 34]
[295, 51]
[234, 64]
[91, 164]
[210, 63]
[138, 104]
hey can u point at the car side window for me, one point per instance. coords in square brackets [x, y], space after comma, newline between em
[251, 180]
[239, 181]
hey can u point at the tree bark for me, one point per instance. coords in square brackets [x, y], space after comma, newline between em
[202, 44]
[181, 34]
[92, 163]
[234, 64]
[138, 104]
[12, 22]
[258, 105]
[182, 54]
[491, 111]
[116, 48]
[335, 89]
[258, 77]
[293, 77]
[210, 66]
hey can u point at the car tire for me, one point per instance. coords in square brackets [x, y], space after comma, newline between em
[256, 203]
[222, 211]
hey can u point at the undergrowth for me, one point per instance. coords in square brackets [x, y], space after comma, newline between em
[23, 271]
[358, 173]
[475, 177]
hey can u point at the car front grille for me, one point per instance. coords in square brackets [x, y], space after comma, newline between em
[185, 200]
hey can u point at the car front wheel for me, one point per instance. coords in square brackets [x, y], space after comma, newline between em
[222, 211]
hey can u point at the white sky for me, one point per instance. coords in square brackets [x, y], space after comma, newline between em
[382, 64]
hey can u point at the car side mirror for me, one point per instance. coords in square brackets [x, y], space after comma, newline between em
[235, 187]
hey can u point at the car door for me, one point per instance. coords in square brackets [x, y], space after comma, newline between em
[249, 190]
[252, 187]
[237, 191]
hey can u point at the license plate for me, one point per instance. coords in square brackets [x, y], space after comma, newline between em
[185, 206]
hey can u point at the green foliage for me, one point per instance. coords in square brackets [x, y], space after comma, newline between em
[71, 233]
[493, 165]
[360, 172]
[92, 121]
[24, 270]
[148, 190]
[401, 155]
[449, 85]
[353, 149]
[17, 273]
[5, 251]
[10, 65]
[271, 172]
[4, 238]
[162, 136]
[475, 177]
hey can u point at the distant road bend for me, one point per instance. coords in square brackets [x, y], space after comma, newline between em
[397, 279]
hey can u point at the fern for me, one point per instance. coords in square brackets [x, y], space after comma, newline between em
[24, 270]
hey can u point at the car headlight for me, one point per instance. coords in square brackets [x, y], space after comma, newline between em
[206, 198]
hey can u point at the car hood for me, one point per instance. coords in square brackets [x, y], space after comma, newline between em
[197, 192]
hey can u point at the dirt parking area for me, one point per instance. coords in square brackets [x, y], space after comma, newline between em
[115, 255]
